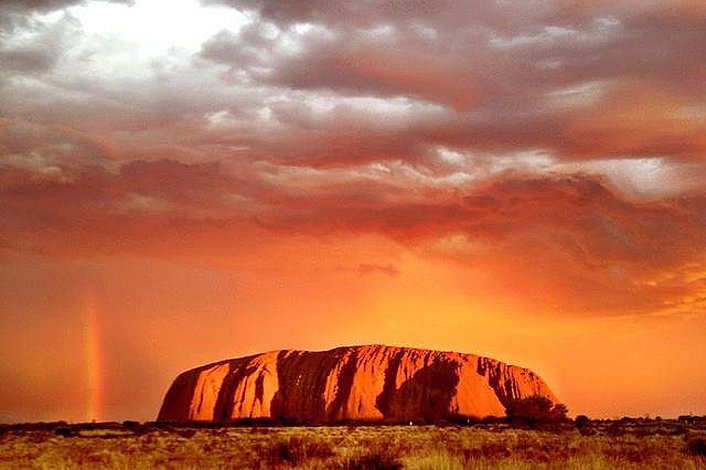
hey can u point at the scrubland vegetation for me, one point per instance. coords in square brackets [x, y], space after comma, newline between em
[580, 444]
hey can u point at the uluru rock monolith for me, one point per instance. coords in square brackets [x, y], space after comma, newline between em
[354, 383]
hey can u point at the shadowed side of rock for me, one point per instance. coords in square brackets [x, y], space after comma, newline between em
[364, 383]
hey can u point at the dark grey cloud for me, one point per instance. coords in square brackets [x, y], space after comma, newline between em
[587, 81]
[41, 51]
[592, 80]
[27, 60]
[28, 6]
[18, 13]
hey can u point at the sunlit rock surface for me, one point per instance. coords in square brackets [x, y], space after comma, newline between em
[349, 383]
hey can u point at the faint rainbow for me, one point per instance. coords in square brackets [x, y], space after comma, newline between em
[92, 360]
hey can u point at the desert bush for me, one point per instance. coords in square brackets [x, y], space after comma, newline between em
[131, 424]
[584, 426]
[488, 450]
[64, 431]
[295, 450]
[185, 433]
[536, 409]
[374, 461]
[696, 446]
[464, 420]
[581, 421]
[679, 429]
[615, 429]
[689, 419]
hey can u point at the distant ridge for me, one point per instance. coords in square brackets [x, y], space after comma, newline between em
[364, 383]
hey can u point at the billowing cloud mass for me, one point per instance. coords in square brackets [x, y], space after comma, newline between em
[549, 155]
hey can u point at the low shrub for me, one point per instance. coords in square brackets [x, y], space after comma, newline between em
[582, 421]
[64, 431]
[185, 433]
[296, 450]
[536, 409]
[679, 429]
[696, 446]
[615, 429]
[374, 461]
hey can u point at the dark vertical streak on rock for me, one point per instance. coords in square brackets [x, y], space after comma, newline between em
[428, 393]
[239, 371]
[344, 387]
[279, 398]
[382, 401]
[225, 396]
[260, 387]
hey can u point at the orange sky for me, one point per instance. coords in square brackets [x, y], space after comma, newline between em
[182, 182]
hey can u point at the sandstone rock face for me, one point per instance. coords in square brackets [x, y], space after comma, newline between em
[349, 383]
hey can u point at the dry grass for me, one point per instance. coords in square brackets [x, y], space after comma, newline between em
[137, 447]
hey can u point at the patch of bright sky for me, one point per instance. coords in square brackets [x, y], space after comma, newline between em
[600, 30]
[637, 178]
[644, 178]
[424, 31]
[131, 39]
[549, 33]
[380, 32]
[578, 95]
[156, 26]
[490, 164]
[392, 109]
[361, 110]
[291, 42]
